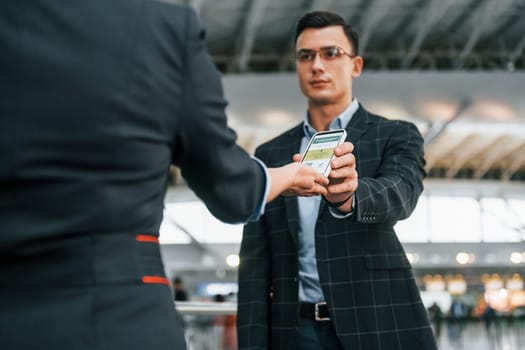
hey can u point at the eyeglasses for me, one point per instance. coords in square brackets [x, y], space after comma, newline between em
[328, 53]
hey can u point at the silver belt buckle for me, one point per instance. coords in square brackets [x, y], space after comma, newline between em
[317, 318]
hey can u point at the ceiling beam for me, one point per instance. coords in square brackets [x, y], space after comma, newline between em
[203, 249]
[462, 153]
[517, 163]
[493, 155]
[437, 129]
[435, 10]
[318, 5]
[308, 6]
[488, 156]
[482, 21]
[438, 154]
[250, 26]
[518, 51]
[374, 14]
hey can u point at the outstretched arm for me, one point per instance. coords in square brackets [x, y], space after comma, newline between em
[296, 179]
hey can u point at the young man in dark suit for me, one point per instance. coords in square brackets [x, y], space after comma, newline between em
[97, 99]
[328, 272]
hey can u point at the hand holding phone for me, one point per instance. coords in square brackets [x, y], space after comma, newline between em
[320, 150]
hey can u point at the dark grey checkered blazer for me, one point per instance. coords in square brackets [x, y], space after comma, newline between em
[365, 276]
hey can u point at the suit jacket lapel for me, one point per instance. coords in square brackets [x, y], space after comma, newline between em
[359, 123]
[355, 128]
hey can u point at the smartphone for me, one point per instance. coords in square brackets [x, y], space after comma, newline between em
[320, 150]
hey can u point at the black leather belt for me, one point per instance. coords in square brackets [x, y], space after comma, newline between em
[317, 311]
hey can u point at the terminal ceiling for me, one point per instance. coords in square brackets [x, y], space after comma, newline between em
[454, 67]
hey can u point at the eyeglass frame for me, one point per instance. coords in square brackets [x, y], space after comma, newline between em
[322, 53]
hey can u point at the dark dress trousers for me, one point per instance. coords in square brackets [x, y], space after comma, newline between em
[366, 279]
[97, 99]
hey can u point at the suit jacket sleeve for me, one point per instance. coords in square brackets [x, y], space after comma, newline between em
[220, 172]
[391, 194]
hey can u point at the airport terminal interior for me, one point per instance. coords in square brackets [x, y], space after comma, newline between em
[456, 69]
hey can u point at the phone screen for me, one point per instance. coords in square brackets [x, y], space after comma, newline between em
[320, 150]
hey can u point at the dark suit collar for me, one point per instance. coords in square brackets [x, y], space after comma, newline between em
[359, 123]
[340, 121]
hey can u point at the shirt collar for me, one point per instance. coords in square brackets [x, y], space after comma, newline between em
[340, 122]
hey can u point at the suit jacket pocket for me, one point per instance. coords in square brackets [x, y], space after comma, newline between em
[386, 261]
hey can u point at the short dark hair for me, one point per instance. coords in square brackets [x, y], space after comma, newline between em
[321, 19]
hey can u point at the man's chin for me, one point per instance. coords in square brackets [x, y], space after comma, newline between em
[321, 100]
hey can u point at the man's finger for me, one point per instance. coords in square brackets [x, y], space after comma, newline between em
[344, 148]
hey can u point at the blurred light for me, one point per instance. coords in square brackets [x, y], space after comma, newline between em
[413, 258]
[515, 282]
[226, 288]
[516, 257]
[492, 283]
[494, 110]
[208, 260]
[434, 283]
[498, 299]
[232, 260]
[465, 258]
[517, 298]
[437, 110]
[457, 285]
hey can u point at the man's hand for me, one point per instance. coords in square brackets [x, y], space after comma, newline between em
[305, 181]
[343, 177]
[296, 179]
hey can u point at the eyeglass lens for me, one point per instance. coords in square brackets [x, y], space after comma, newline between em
[327, 53]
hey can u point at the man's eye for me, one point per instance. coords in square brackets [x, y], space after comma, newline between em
[305, 56]
[331, 52]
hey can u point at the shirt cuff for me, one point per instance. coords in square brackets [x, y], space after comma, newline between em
[259, 211]
[339, 214]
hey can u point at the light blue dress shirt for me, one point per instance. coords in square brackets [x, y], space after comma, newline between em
[309, 286]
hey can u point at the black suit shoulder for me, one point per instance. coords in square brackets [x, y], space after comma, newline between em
[380, 127]
[373, 118]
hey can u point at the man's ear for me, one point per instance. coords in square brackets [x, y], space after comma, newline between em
[358, 66]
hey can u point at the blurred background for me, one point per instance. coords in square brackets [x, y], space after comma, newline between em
[454, 68]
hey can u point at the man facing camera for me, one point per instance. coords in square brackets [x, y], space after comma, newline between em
[328, 272]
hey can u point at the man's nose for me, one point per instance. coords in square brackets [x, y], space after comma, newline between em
[317, 64]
